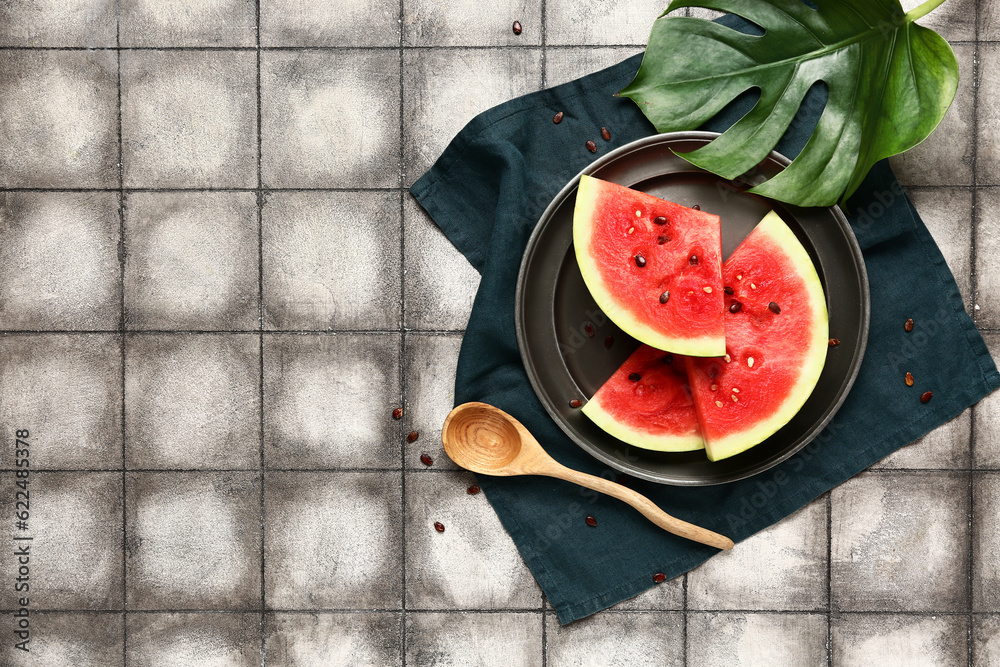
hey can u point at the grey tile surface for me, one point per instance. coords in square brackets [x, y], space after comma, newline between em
[473, 564]
[989, 20]
[60, 119]
[947, 212]
[330, 119]
[574, 23]
[988, 131]
[562, 65]
[329, 261]
[430, 395]
[332, 540]
[328, 401]
[987, 249]
[59, 260]
[68, 639]
[189, 119]
[184, 527]
[364, 639]
[626, 639]
[192, 401]
[986, 543]
[191, 261]
[869, 639]
[900, 543]
[183, 23]
[67, 391]
[471, 23]
[732, 639]
[986, 422]
[946, 447]
[985, 640]
[329, 23]
[75, 555]
[83, 23]
[486, 640]
[182, 639]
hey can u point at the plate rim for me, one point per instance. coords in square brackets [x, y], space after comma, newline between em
[529, 365]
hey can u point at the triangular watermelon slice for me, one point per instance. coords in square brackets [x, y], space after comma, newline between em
[653, 266]
[647, 403]
[777, 336]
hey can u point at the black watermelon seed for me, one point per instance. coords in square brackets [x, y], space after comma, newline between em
[605, 134]
[591, 521]
[575, 403]
[473, 490]
[426, 459]
[696, 207]
[397, 413]
[557, 118]
[668, 359]
[659, 220]
[609, 340]
[591, 146]
[727, 289]
[834, 342]
[735, 307]
[412, 437]
[665, 297]
[693, 260]
[438, 526]
[659, 577]
[640, 261]
[634, 377]
[774, 308]
[662, 239]
[926, 396]
[516, 27]
[589, 328]
[908, 325]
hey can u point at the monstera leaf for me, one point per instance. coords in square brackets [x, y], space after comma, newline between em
[889, 80]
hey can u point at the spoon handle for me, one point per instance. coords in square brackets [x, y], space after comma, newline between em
[647, 507]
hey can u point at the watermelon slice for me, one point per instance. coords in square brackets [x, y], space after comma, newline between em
[647, 403]
[653, 266]
[777, 337]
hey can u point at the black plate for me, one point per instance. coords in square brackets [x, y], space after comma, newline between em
[555, 313]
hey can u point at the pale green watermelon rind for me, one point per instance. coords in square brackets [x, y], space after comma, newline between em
[773, 226]
[642, 439]
[586, 201]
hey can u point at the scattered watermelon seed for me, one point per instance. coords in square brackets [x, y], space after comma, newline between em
[718, 403]
[662, 239]
[473, 490]
[659, 220]
[774, 308]
[609, 340]
[668, 358]
[589, 328]
[834, 342]
[591, 521]
[750, 362]
[735, 307]
[727, 289]
[557, 118]
[693, 260]
[926, 396]
[665, 297]
[714, 387]
[696, 207]
[516, 27]
[575, 403]
[708, 290]
[591, 146]
[908, 326]
[752, 286]
[728, 358]
[736, 390]
[638, 214]
[734, 398]
[631, 230]
[412, 437]
[909, 379]
[640, 261]
[634, 377]
[438, 526]
[426, 459]
[605, 134]
[397, 413]
[659, 577]
[739, 276]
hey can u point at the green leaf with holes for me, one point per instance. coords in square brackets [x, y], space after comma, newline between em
[890, 82]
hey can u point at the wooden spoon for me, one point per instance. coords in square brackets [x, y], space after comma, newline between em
[487, 440]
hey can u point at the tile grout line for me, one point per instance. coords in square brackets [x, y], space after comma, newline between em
[260, 348]
[973, 288]
[398, 431]
[829, 578]
[121, 324]
[684, 619]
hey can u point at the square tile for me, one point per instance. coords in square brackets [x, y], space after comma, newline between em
[954, 20]
[733, 639]
[148, 23]
[473, 564]
[332, 540]
[444, 89]
[440, 283]
[986, 641]
[484, 640]
[987, 249]
[60, 111]
[180, 640]
[988, 131]
[185, 527]
[617, 640]
[986, 419]
[900, 542]
[191, 260]
[945, 157]
[84, 23]
[59, 260]
[471, 23]
[364, 639]
[326, 23]
[568, 22]
[986, 542]
[76, 551]
[430, 394]
[945, 447]
[66, 391]
[989, 20]
[192, 401]
[330, 119]
[782, 567]
[868, 639]
[332, 260]
[328, 401]
[66, 639]
[189, 119]
[947, 212]
[565, 64]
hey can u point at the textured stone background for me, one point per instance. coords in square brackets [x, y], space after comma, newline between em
[214, 290]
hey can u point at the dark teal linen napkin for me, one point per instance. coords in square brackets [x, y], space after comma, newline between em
[487, 192]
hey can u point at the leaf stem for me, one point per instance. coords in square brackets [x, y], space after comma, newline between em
[923, 10]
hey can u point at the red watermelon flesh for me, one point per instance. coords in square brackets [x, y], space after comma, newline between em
[647, 403]
[776, 342]
[653, 266]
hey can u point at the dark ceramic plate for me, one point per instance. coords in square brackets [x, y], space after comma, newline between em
[556, 315]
